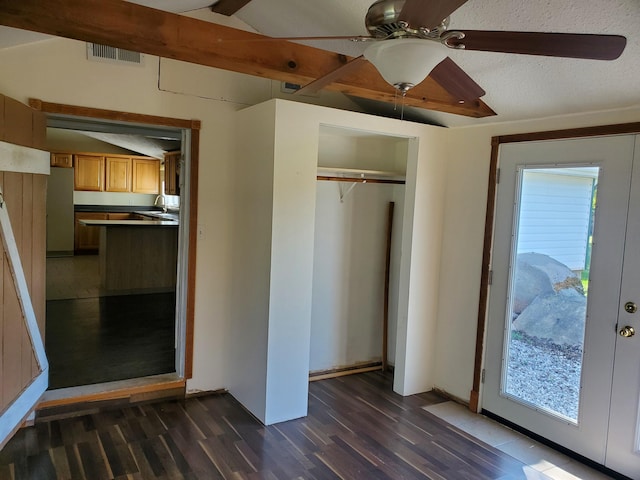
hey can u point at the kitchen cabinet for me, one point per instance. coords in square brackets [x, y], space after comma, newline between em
[145, 175]
[117, 174]
[64, 160]
[87, 239]
[89, 173]
[172, 173]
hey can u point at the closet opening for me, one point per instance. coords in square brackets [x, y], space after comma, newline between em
[360, 194]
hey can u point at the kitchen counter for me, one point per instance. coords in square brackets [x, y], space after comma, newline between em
[129, 223]
[137, 256]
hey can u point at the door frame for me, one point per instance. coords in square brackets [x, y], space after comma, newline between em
[485, 280]
[187, 249]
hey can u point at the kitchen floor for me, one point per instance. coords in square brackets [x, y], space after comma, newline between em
[73, 277]
[93, 339]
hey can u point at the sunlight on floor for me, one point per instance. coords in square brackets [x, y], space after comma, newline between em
[544, 462]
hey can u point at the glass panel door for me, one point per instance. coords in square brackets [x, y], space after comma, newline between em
[548, 287]
[557, 257]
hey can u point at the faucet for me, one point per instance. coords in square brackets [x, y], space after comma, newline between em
[163, 203]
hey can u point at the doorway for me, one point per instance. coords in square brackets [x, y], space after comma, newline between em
[561, 355]
[101, 328]
[181, 301]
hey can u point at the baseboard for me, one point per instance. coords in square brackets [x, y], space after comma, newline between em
[342, 371]
[74, 401]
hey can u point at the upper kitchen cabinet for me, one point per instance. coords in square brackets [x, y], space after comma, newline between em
[118, 174]
[146, 175]
[89, 173]
[64, 160]
[172, 173]
[98, 172]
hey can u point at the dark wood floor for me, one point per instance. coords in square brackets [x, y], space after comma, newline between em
[357, 428]
[102, 339]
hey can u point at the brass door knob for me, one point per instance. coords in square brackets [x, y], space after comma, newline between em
[627, 331]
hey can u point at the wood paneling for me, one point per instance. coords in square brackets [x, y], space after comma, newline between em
[118, 174]
[24, 196]
[21, 125]
[135, 27]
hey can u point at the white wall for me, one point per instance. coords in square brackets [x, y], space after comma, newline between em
[350, 249]
[250, 284]
[467, 159]
[451, 169]
[421, 222]
[349, 274]
[135, 89]
[60, 211]
[112, 198]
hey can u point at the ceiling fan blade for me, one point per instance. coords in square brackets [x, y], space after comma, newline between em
[321, 82]
[228, 7]
[570, 45]
[456, 81]
[353, 38]
[428, 13]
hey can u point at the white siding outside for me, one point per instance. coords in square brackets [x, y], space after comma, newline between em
[555, 212]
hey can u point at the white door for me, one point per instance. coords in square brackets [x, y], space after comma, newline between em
[558, 295]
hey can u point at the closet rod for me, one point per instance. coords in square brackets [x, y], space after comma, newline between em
[360, 180]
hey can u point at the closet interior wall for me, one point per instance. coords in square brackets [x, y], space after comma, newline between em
[351, 227]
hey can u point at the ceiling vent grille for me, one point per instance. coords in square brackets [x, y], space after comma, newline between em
[105, 53]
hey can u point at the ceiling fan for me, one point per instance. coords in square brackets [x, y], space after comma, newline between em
[410, 39]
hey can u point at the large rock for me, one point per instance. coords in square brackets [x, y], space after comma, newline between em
[556, 316]
[538, 274]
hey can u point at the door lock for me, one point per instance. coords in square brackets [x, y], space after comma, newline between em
[630, 307]
[627, 331]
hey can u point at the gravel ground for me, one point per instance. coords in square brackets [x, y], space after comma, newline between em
[545, 373]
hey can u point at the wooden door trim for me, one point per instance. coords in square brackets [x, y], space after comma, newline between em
[194, 126]
[597, 131]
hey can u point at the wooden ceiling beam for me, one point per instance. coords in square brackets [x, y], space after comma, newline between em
[134, 27]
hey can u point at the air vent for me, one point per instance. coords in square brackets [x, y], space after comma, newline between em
[105, 53]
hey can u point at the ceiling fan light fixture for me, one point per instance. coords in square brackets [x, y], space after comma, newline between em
[405, 62]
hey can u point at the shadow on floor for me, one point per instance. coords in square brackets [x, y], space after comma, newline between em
[103, 339]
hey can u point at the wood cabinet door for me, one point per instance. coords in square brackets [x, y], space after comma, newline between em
[172, 173]
[64, 160]
[89, 173]
[118, 174]
[87, 239]
[146, 175]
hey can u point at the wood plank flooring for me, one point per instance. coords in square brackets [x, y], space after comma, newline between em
[357, 428]
[103, 339]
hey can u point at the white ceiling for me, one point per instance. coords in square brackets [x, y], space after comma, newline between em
[517, 86]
